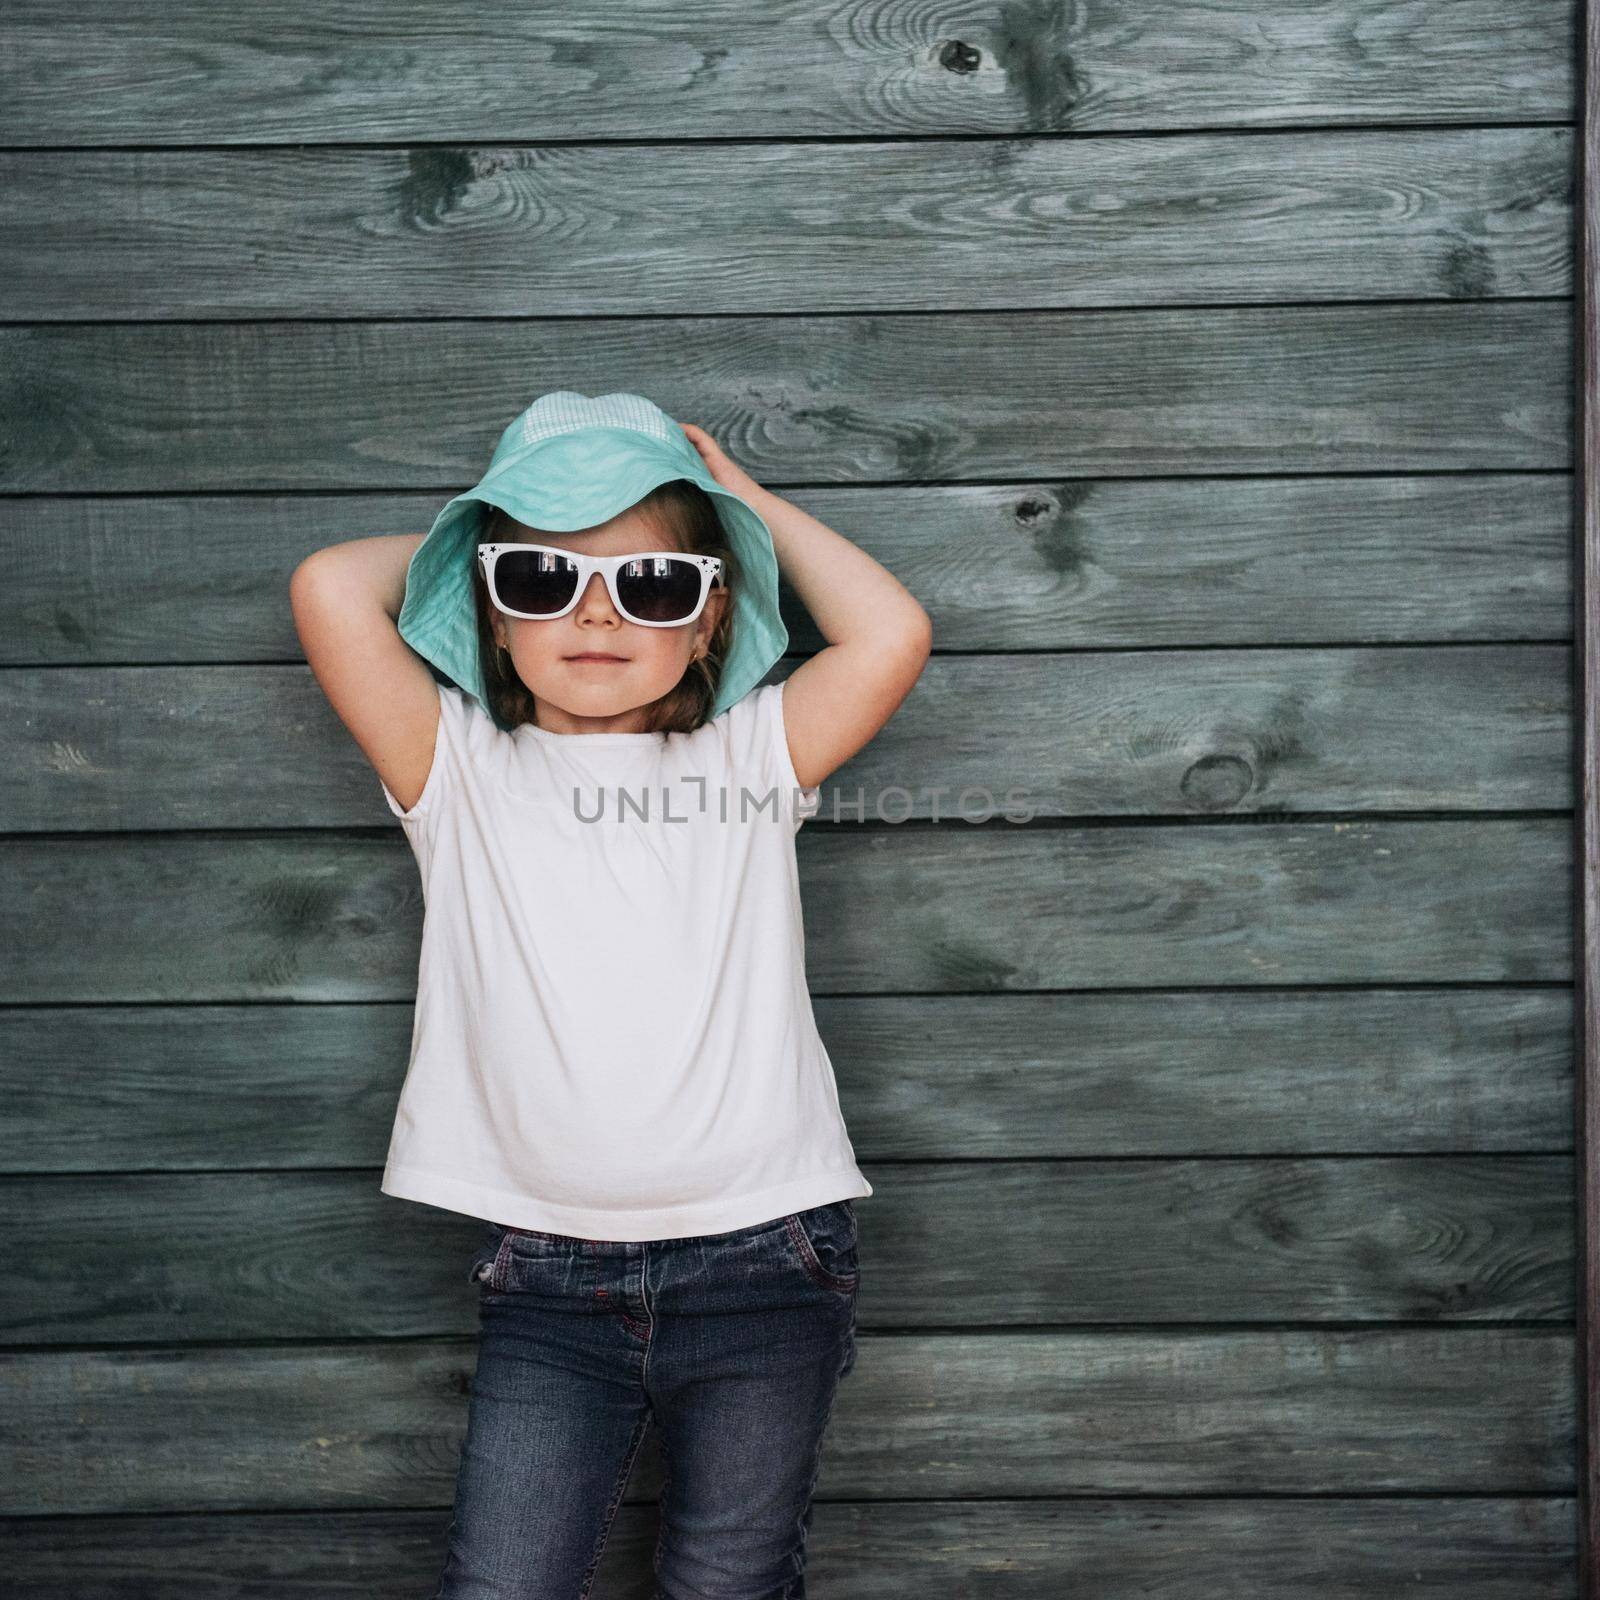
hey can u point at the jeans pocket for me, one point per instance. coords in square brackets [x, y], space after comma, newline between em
[530, 1260]
[488, 1260]
[824, 1240]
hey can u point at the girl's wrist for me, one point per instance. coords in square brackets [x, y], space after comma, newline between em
[765, 502]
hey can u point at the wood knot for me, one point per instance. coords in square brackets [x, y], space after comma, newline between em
[1217, 783]
[957, 56]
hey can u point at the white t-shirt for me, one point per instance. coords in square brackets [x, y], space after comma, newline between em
[613, 1036]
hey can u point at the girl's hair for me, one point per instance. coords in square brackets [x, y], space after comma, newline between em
[688, 521]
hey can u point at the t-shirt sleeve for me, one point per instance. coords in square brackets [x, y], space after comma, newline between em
[798, 803]
[443, 775]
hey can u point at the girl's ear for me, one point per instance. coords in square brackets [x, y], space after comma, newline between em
[706, 627]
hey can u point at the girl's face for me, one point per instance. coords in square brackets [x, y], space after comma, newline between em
[574, 695]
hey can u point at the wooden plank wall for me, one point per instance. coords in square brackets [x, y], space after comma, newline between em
[1586, 783]
[1205, 371]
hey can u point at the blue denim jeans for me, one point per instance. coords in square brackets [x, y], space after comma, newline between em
[733, 1343]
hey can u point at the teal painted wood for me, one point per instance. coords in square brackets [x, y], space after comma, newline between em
[1188, 1549]
[915, 908]
[1227, 1151]
[1078, 563]
[582, 231]
[309, 1427]
[1413, 1070]
[1161, 733]
[698, 70]
[1586, 734]
[1008, 1244]
[1476, 1548]
[1192, 391]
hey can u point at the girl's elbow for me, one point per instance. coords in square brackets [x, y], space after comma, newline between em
[919, 634]
[305, 577]
[912, 649]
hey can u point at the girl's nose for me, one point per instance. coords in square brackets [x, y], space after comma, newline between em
[595, 597]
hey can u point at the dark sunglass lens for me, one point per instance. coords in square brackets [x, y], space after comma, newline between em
[535, 583]
[659, 588]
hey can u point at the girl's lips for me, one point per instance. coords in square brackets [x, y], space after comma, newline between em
[614, 660]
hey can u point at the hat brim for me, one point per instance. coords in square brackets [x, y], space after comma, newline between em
[563, 485]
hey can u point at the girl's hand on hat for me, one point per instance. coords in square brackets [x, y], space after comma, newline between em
[726, 472]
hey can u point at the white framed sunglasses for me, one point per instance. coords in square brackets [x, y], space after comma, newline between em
[654, 588]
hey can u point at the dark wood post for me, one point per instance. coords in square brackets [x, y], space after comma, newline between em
[1586, 641]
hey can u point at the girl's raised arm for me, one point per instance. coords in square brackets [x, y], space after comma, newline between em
[878, 635]
[346, 601]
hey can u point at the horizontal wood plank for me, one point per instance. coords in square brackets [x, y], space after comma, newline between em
[890, 909]
[1010, 1243]
[1229, 1072]
[1116, 1549]
[1079, 564]
[921, 1416]
[581, 230]
[1162, 733]
[141, 407]
[187, 72]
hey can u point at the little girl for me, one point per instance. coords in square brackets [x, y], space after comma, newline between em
[614, 1060]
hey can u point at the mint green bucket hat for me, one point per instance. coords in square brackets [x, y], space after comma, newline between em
[572, 461]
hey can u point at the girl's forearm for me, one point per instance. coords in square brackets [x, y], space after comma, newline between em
[374, 566]
[850, 596]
